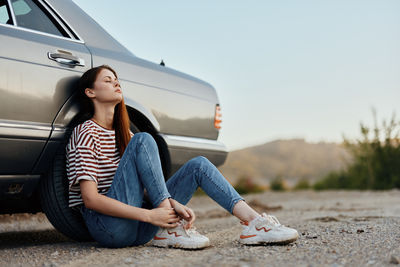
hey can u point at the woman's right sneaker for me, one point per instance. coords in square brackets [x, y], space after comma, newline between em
[179, 237]
[266, 229]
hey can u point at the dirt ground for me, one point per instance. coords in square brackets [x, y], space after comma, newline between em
[337, 228]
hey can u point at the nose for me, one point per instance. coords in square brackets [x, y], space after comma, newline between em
[116, 84]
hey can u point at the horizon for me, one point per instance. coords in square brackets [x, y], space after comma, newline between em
[289, 139]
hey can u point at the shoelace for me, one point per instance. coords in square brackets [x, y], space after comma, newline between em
[191, 231]
[271, 218]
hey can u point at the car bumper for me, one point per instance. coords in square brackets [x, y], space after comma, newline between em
[183, 148]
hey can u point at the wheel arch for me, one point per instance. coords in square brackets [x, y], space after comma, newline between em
[141, 116]
[145, 125]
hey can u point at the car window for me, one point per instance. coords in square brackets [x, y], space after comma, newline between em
[5, 14]
[30, 15]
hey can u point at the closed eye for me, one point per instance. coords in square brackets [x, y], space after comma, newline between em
[109, 80]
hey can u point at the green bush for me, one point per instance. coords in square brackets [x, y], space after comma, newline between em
[277, 184]
[246, 184]
[376, 162]
[334, 180]
[302, 184]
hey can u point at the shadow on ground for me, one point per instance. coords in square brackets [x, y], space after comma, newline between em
[31, 238]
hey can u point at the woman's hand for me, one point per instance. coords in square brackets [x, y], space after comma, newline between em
[184, 212]
[163, 217]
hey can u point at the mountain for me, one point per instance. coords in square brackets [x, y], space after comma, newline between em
[292, 160]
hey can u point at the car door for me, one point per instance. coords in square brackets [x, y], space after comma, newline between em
[41, 57]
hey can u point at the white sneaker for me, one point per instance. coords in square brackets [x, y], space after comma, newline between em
[266, 229]
[179, 237]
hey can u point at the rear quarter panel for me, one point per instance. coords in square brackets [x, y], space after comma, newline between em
[181, 104]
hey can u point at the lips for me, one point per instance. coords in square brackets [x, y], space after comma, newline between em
[118, 91]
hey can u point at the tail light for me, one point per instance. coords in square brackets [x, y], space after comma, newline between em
[217, 117]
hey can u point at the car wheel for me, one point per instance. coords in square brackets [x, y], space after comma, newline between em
[54, 197]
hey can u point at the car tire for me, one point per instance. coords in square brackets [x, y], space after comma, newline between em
[54, 197]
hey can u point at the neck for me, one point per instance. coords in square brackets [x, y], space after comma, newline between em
[104, 115]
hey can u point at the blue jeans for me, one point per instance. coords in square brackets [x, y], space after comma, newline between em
[139, 169]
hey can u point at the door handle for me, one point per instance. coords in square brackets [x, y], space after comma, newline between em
[67, 59]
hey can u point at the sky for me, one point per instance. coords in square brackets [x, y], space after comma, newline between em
[310, 69]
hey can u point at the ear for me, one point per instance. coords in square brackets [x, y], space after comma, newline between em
[90, 93]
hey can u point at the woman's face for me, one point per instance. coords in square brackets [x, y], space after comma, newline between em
[106, 88]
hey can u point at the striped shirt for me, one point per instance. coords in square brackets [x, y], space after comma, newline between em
[91, 154]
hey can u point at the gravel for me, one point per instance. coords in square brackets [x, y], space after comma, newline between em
[337, 228]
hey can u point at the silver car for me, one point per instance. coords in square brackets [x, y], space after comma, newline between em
[45, 46]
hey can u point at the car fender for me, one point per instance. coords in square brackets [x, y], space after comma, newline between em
[129, 102]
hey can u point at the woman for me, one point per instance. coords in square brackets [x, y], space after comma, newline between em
[112, 172]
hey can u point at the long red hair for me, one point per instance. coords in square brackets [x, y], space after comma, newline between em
[121, 122]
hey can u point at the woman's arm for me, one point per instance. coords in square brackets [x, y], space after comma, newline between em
[164, 217]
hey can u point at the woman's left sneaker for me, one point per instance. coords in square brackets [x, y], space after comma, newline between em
[266, 229]
[179, 237]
